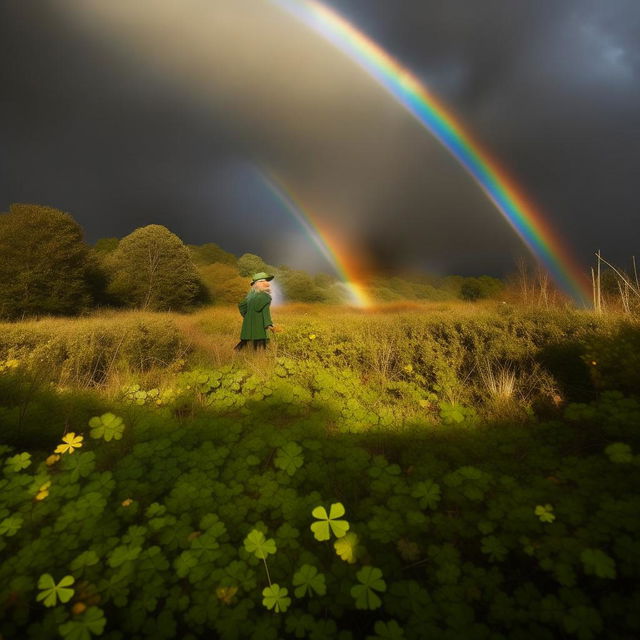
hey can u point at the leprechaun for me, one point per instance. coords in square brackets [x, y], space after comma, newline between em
[256, 313]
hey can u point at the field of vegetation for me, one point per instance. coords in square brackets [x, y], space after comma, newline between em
[418, 470]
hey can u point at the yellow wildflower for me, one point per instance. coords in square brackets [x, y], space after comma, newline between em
[43, 492]
[78, 608]
[52, 459]
[70, 442]
[127, 502]
[312, 336]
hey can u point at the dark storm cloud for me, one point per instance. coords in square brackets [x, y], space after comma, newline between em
[136, 117]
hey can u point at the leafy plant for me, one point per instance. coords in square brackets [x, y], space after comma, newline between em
[289, 458]
[364, 594]
[51, 593]
[328, 522]
[90, 623]
[107, 426]
[70, 442]
[308, 581]
[275, 597]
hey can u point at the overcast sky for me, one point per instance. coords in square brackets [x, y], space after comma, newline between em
[156, 111]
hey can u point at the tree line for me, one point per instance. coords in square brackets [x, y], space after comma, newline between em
[47, 268]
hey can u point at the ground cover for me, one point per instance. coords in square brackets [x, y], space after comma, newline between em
[467, 472]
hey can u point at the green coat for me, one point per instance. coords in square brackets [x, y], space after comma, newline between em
[257, 316]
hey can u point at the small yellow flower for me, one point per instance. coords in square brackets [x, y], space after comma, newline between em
[312, 336]
[12, 364]
[594, 363]
[52, 459]
[70, 442]
[127, 502]
[408, 368]
[78, 608]
[43, 492]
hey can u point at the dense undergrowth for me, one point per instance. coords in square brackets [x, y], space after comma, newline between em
[470, 473]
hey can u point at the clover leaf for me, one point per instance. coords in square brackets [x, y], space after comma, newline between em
[289, 458]
[50, 592]
[85, 559]
[70, 442]
[260, 546]
[347, 547]
[327, 522]
[427, 493]
[107, 426]
[387, 631]
[545, 513]
[619, 452]
[91, 622]
[275, 597]
[364, 594]
[11, 525]
[18, 462]
[598, 563]
[494, 548]
[308, 580]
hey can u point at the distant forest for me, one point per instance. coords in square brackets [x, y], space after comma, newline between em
[47, 268]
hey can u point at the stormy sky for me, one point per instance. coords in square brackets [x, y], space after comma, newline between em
[176, 112]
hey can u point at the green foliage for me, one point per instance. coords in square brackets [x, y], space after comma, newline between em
[427, 493]
[257, 544]
[289, 458]
[387, 631]
[275, 597]
[619, 452]
[18, 462]
[51, 593]
[107, 426]
[598, 563]
[307, 581]
[364, 594]
[90, 623]
[545, 513]
[152, 269]
[328, 522]
[45, 263]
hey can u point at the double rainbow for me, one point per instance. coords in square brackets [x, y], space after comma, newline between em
[432, 114]
[344, 265]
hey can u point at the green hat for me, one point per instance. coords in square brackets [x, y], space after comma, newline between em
[260, 276]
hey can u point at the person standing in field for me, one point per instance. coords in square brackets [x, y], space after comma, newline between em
[256, 314]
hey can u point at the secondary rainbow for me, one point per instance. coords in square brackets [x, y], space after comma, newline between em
[406, 89]
[345, 267]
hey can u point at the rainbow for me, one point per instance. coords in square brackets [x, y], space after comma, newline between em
[345, 266]
[432, 114]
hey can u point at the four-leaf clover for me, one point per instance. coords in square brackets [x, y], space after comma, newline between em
[50, 592]
[328, 522]
[545, 513]
[18, 462]
[289, 458]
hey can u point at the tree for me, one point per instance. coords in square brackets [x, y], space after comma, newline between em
[106, 245]
[211, 253]
[223, 283]
[249, 263]
[44, 263]
[152, 269]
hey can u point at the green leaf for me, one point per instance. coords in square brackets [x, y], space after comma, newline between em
[328, 522]
[18, 462]
[619, 452]
[307, 580]
[260, 546]
[123, 554]
[50, 592]
[85, 559]
[370, 579]
[107, 426]
[387, 631]
[545, 513]
[492, 546]
[91, 622]
[427, 493]
[275, 597]
[289, 458]
[598, 563]
[11, 525]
